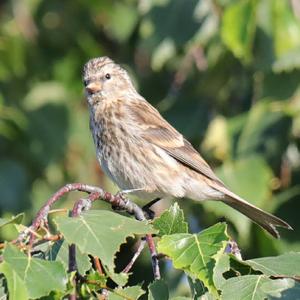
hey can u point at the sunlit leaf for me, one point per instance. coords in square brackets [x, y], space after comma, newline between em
[254, 287]
[130, 293]
[16, 286]
[196, 253]
[40, 277]
[238, 28]
[13, 220]
[100, 233]
[163, 52]
[286, 28]
[222, 265]
[171, 221]
[216, 140]
[123, 18]
[282, 265]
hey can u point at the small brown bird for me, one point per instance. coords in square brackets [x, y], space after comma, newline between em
[140, 151]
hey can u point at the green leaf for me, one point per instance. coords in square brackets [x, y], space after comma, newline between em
[232, 266]
[282, 265]
[16, 286]
[13, 220]
[3, 287]
[171, 221]
[286, 28]
[254, 287]
[95, 276]
[60, 252]
[264, 126]
[128, 293]
[39, 276]
[292, 293]
[196, 254]
[222, 266]
[196, 286]
[164, 51]
[123, 19]
[287, 62]
[100, 233]
[158, 290]
[119, 278]
[238, 28]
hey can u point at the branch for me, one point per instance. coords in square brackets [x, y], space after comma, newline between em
[95, 193]
[137, 253]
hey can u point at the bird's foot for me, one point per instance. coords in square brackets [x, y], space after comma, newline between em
[122, 194]
[149, 213]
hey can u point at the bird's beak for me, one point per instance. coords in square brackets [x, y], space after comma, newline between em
[94, 87]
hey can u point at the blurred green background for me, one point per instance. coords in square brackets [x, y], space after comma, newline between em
[225, 73]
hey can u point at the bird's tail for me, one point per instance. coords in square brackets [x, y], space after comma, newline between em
[266, 220]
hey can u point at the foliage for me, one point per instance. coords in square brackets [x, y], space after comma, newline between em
[200, 256]
[224, 72]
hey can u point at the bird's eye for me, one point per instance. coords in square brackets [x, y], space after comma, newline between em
[107, 76]
[86, 82]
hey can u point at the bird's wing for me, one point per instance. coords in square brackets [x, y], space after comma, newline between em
[156, 130]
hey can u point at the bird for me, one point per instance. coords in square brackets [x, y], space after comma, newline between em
[141, 152]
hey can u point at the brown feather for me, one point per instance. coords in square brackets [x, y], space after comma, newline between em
[159, 132]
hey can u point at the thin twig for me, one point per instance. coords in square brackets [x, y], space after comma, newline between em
[135, 256]
[154, 257]
[95, 193]
[51, 238]
[98, 265]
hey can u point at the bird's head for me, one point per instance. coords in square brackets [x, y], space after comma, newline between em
[104, 79]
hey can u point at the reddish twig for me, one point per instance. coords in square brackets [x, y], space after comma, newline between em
[95, 193]
[98, 265]
[154, 257]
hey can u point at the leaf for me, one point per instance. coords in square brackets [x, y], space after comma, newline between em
[119, 278]
[238, 28]
[3, 287]
[196, 286]
[286, 28]
[282, 265]
[123, 19]
[265, 131]
[96, 277]
[222, 266]
[287, 62]
[158, 290]
[171, 221]
[216, 141]
[100, 233]
[60, 252]
[16, 286]
[128, 293]
[43, 93]
[40, 277]
[291, 293]
[196, 254]
[164, 51]
[13, 220]
[254, 287]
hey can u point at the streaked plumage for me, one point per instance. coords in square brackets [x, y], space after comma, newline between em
[138, 149]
